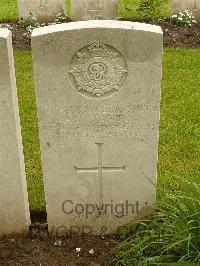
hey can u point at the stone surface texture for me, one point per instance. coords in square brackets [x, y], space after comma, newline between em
[94, 9]
[14, 207]
[44, 10]
[98, 98]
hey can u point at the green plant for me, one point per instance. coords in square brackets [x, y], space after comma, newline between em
[30, 21]
[6, 26]
[175, 264]
[60, 17]
[29, 24]
[150, 8]
[171, 235]
[185, 18]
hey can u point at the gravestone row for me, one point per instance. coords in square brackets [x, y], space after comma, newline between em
[98, 100]
[46, 10]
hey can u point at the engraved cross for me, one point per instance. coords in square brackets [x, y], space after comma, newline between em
[100, 169]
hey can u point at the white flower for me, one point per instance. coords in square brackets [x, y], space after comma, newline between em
[91, 251]
[187, 13]
[58, 243]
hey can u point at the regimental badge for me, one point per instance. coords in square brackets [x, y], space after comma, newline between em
[98, 70]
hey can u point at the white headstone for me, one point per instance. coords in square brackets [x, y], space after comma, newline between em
[14, 207]
[94, 9]
[44, 10]
[197, 10]
[183, 4]
[98, 99]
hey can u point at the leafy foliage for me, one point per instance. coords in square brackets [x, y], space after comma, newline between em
[150, 8]
[184, 19]
[144, 9]
[32, 22]
[172, 234]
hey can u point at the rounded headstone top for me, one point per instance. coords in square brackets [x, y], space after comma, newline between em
[112, 24]
[5, 33]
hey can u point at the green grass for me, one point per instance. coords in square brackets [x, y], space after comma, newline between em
[170, 235]
[127, 10]
[180, 121]
[173, 233]
[8, 10]
[26, 96]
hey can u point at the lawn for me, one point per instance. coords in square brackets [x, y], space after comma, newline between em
[8, 10]
[26, 96]
[180, 118]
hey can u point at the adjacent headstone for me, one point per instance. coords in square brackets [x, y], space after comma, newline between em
[44, 10]
[98, 99]
[14, 208]
[190, 5]
[94, 9]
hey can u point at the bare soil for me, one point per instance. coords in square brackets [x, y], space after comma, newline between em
[73, 250]
[174, 36]
[37, 247]
[183, 37]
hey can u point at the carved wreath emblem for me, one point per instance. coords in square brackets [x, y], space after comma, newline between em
[98, 70]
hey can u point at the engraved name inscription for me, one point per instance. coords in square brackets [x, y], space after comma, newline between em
[98, 70]
[104, 121]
